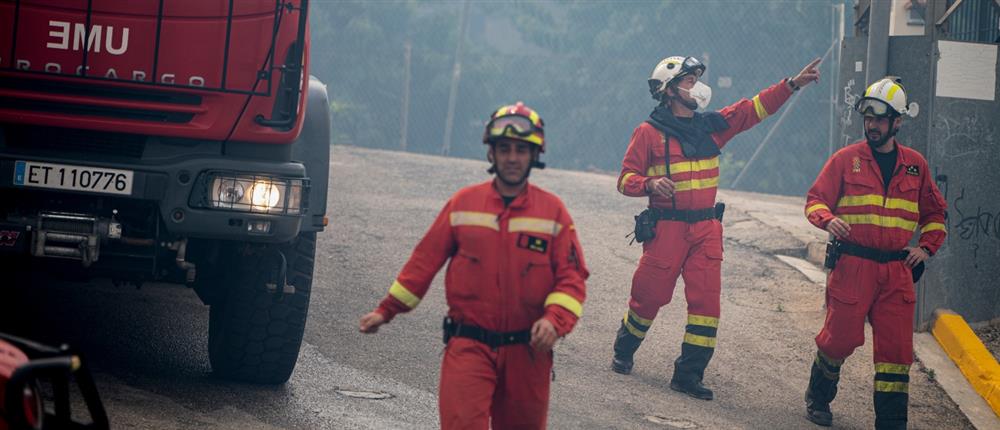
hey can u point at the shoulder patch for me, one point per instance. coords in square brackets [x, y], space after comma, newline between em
[913, 170]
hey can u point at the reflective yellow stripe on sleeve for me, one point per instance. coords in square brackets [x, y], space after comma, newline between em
[621, 184]
[932, 226]
[658, 170]
[816, 207]
[759, 108]
[566, 301]
[404, 295]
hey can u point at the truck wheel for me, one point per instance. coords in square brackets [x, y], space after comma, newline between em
[254, 334]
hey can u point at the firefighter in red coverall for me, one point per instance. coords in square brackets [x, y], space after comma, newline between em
[681, 192]
[515, 283]
[872, 196]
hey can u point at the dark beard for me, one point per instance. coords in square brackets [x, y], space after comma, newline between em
[876, 143]
[496, 171]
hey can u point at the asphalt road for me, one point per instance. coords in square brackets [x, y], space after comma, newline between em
[148, 346]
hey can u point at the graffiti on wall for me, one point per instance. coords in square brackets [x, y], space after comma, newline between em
[970, 223]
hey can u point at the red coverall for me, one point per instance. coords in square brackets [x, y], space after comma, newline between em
[851, 184]
[693, 251]
[509, 267]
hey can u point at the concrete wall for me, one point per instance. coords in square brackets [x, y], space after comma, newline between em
[961, 140]
[964, 153]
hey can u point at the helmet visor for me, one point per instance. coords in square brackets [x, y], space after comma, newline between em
[692, 65]
[510, 126]
[875, 107]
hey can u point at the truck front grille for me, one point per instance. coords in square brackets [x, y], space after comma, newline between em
[73, 142]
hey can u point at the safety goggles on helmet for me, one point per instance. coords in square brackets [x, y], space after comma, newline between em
[506, 126]
[870, 106]
[690, 66]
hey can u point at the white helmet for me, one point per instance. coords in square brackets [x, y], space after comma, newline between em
[886, 97]
[670, 69]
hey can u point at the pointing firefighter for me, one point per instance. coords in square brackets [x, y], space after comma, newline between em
[872, 196]
[673, 160]
[514, 284]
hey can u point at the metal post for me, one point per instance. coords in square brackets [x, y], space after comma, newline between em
[833, 81]
[456, 74]
[838, 40]
[876, 65]
[404, 115]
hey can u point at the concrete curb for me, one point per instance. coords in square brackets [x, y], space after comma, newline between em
[969, 354]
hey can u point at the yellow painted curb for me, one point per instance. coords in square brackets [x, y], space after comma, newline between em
[970, 355]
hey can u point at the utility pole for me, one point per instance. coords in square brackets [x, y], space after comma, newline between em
[876, 65]
[404, 114]
[456, 74]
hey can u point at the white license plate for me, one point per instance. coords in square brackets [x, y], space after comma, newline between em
[70, 177]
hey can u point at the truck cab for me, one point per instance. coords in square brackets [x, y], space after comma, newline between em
[177, 141]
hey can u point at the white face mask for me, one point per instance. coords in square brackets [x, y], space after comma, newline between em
[701, 93]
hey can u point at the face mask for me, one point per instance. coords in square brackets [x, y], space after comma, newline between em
[701, 93]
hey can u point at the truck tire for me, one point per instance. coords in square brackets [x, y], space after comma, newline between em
[254, 334]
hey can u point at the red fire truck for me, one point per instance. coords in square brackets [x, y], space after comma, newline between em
[176, 141]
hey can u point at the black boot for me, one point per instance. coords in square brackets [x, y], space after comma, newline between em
[625, 345]
[891, 396]
[689, 369]
[822, 389]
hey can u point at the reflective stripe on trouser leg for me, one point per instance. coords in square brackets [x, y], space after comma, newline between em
[630, 334]
[823, 380]
[697, 349]
[892, 385]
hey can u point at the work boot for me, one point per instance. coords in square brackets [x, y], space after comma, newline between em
[822, 389]
[626, 344]
[819, 413]
[689, 370]
[692, 388]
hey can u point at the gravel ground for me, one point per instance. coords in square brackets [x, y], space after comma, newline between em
[990, 335]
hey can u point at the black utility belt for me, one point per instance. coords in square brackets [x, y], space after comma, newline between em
[645, 222]
[688, 216]
[869, 253]
[493, 339]
[836, 248]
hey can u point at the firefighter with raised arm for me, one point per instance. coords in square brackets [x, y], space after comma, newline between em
[673, 160]
[514, 284]
[872, 196]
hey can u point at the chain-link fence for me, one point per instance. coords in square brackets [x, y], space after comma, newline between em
[424, 76]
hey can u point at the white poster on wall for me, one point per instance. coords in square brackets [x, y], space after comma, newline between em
[967, 70]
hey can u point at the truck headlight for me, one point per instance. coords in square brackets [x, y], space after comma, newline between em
[253, 193]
